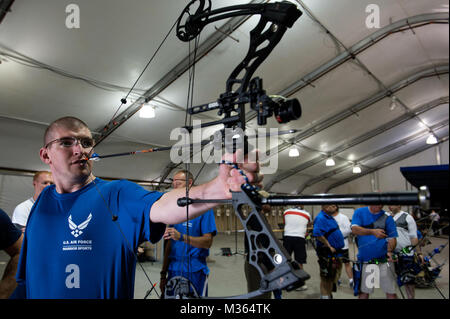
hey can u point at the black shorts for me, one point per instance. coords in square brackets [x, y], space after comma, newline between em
[345, 256]
[296, 245]
[330, 268]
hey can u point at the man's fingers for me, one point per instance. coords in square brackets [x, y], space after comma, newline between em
[237, 178]
[235, 183]
[237, 157]
[250, 166]
[255, 178]
[241, 159]
[247, 164]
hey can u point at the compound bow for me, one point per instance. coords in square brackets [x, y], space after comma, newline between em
[266, 254]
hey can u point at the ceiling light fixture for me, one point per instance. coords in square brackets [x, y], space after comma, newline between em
[293, 152]
[147, 111]
[432, 139]
[393, 103]
[330, 162]
[356, 169]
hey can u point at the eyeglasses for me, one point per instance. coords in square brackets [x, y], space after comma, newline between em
[85, 142]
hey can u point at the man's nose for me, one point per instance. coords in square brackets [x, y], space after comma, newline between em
[77, 148]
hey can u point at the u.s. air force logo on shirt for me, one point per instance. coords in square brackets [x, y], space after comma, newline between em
[77, 229]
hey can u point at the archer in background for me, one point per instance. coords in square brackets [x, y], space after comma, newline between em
[20, 215]
[434, 219]
[344, 226]
[407, 237]
[376, 238]
[91, 228]
[329, 245]
[187, 244]
[296, 222]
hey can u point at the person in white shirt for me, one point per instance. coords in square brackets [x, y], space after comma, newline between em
[41, 180]
[344, 226]
[434, 217]
[407, 236]
[296, 222]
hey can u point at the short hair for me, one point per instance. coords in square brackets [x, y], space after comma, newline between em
[39, 173]
[185, 172]
[69, 122]
[337, 207]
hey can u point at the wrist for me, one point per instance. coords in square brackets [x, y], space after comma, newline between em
[214, 189]
[181, 238]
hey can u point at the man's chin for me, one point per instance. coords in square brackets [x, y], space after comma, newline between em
[81, 170]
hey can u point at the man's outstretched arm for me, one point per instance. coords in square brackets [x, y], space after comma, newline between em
[166, 210]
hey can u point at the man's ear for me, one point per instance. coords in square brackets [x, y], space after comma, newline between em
[43, 154]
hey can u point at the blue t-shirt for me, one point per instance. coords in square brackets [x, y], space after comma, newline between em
[73, 248]
[186, 257]
[9, 233]
[369, 246]
[326, 225]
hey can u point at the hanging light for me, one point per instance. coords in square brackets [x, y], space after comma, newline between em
[293, 152]
[147, 111]
[393, 103]
[432, 139]
[330, 162]
[356, 169]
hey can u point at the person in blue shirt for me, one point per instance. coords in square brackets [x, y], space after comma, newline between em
[83, 232]
[329, 244]
[10, 241]
[186, 250]
[376, 233]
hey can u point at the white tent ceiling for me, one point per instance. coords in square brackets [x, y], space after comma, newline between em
[48, 71]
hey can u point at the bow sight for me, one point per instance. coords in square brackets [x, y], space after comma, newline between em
[265, 106]
[263, 39]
